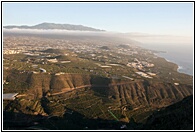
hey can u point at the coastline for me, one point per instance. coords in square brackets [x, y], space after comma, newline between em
[176, 56]
[180, 68]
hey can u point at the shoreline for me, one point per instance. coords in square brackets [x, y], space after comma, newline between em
[185, 65]
[180, 68]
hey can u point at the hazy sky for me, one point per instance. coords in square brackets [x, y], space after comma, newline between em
[154, 18]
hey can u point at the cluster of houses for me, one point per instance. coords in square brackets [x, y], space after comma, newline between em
[9, 51]
[140, 64]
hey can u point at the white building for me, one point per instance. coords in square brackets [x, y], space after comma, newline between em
[9, 96]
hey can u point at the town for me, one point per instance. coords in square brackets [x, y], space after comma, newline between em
[104, 59]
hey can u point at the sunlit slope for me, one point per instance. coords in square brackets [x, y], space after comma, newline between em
[93, 96]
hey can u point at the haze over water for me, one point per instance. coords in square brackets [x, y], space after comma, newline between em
[181, 54]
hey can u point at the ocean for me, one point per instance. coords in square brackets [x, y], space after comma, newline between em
[180, 54]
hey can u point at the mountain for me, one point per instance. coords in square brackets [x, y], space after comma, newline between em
[47, 26]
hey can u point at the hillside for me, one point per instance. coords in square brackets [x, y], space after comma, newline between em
[92, 96]
[47, 26]
[56, 51]
[178, 116]
[67, 96]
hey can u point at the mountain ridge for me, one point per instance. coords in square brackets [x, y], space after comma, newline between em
[47, 26]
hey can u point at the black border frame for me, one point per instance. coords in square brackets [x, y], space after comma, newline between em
[99, 130]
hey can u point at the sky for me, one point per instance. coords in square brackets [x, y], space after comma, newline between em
[172, 18]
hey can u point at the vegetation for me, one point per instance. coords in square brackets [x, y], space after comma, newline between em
[63, 89]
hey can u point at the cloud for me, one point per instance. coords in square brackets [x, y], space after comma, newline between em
[138, 37]
[149, 38]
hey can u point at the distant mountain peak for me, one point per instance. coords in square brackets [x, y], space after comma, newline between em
[47, 26]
